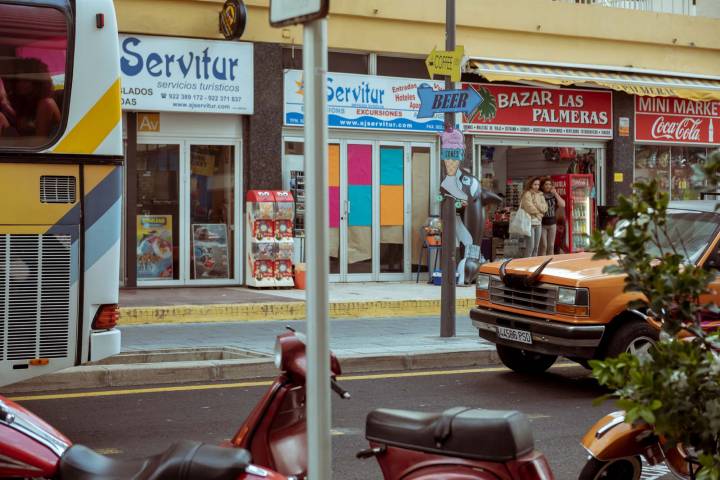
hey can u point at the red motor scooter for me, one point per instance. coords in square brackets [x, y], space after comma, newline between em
[458, 444]
[30, 448]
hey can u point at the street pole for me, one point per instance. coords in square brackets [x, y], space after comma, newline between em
[316, 140]
[449, 264]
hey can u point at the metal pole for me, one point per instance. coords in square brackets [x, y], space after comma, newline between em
[316, 139]
[449, 264]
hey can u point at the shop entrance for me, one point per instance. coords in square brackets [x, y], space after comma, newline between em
[577, 170]
[187, 215]
[379, 197]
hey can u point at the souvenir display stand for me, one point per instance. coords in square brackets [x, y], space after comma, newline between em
[284, 214]
[269, 242]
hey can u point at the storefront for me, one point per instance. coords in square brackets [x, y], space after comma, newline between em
[672, 135]
[520, 132]
[184, 102]
[383, 172]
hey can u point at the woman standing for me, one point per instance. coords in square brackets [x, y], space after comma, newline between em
[549, 220]
[533, 202]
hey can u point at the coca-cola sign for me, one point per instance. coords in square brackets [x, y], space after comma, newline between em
[676, 120]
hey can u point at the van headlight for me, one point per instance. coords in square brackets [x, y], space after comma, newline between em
[482, 287]
[573, 301]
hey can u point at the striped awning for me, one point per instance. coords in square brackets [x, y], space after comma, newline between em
[630, 82]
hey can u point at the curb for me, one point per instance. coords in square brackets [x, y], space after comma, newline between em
[251, 312]
[111, 376]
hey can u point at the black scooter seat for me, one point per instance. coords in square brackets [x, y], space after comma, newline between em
[474, 433]
[183, 461]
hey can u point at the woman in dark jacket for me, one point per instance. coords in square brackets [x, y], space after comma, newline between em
[549, 220]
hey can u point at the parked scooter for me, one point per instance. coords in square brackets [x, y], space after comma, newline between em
[616, 450]
[30, 448]
[460, 443]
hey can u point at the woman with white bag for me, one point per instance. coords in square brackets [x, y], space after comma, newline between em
[533, 203]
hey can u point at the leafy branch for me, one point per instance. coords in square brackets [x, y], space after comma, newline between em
[674, 386]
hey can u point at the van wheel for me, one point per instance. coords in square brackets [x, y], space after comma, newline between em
[620, 469]
[634, 337]
[523, 361]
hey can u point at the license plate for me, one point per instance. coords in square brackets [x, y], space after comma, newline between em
[514, 335]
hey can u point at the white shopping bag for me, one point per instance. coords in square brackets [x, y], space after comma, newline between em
[520, 223]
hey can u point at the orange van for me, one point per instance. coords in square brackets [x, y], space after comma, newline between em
[536, 309]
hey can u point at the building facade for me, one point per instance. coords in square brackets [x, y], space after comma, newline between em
[613, 94]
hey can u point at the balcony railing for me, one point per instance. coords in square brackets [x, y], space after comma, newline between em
[680, 7]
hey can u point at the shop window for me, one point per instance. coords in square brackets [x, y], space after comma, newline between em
[212, 211]
[402, 67]
[158, 213]
[672, 167]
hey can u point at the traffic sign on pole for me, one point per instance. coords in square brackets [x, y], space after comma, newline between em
[446, 63]
[311, 13]
[446, 101]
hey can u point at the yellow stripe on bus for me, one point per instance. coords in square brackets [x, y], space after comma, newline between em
[94, 174]
[95, 126]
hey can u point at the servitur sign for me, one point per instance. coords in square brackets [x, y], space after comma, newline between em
[165, 74]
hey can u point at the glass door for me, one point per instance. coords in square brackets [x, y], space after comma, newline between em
[188, 216]
[157, 213]
[394, 212]
[213, 219]
[356, 231]
[337, 210]
[419, 185]
[378, 198]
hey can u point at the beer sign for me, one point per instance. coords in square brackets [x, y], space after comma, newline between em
[677, 121]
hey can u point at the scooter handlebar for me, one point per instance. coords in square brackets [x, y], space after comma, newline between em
[344, 394]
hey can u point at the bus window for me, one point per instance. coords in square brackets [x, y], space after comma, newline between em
[33, 56]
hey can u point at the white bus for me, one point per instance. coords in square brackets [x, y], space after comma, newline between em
[60, 185]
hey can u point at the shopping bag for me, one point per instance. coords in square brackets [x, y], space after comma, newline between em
[520, 223]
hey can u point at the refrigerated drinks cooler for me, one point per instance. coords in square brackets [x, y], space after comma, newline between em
[577, 191]
[269, 238]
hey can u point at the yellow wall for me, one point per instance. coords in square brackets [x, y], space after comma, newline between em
[541, 30]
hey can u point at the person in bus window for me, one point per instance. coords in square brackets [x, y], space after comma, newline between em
[533, 202]
[549, 220]
[37, 113]
[7, 113]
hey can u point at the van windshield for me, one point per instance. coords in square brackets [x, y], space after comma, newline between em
[691, 233]
[33, 63]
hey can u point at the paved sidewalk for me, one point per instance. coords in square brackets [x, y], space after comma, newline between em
[232, 351]
[240, 304]
[364, 336]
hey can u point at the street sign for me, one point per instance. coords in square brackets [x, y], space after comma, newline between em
[446, 101]
[446, 63]
[292, 12]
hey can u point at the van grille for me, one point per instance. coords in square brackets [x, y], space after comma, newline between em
[34, 296]
[57, 189]
[542, 297]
